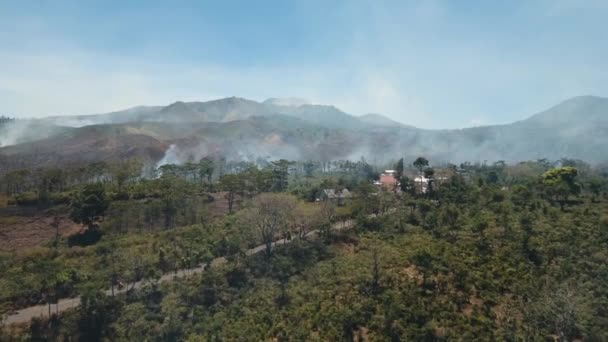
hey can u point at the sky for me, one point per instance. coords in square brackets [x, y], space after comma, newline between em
[431, 64]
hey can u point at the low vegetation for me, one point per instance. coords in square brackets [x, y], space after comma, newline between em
[480, 252]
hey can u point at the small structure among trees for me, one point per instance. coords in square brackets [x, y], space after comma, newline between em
[338, 195]
[422, 183]
[388, 180]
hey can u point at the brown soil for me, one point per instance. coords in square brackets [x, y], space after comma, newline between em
[18, 232]
[413, 273]
[24, 227]
[474, 302]
[219, 207]
[361, 335]
[346, 248]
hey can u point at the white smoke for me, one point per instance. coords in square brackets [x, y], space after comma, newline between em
[171, 157]
[21, 131]
[11, 133]
[287, 101]
[75, 122]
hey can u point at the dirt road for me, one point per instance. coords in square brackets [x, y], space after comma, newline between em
[25, 315]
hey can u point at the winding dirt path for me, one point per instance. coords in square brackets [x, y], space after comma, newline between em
[25, 315]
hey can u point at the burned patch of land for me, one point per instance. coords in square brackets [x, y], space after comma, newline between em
[28, 227]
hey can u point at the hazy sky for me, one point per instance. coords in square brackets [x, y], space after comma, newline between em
[434, 64]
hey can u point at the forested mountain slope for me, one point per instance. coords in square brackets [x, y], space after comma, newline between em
[576, 128]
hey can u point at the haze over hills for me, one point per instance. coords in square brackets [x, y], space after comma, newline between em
[294, 129]
[221, 110]
[380, 120]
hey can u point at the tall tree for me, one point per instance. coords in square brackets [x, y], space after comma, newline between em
[429, 174]
[595, 185]
[309, 168]
[420, 163]
[124, 173]
[205, 170]
[89, 205]
[328, 213]
[232, 184]
[269, 214]
[280, 174]
[173, 195]
[399, 168]
[407, 185]
[560, 183]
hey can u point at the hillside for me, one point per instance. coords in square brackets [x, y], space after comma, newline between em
[83, 145]
[576, 128]
[379, 120]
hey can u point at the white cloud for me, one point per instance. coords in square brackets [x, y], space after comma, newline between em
[402, 60]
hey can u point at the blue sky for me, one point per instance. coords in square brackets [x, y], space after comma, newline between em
[433, 64]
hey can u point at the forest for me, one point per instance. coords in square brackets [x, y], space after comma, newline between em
[216, 250]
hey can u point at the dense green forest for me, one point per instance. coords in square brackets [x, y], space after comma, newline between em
[486, 252]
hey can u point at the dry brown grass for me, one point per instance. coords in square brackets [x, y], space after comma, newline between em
[18, 232]
[3, 201]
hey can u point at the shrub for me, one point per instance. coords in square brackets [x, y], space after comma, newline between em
[27, 198]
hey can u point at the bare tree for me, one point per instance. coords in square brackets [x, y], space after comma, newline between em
[269, 214]
[55, 224]
[562, 309]
[328, 214]
[305, 217]
[232, 184]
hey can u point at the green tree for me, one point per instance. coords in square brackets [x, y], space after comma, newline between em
[94, 317]
[15, 181]
[521, 195]
[205, 170]
[124, 173]
[560, 183]
[280, 174]
[420, 163]
[407, 185]
[89, 205]
[425, 262]
[429, 174]
[309, 168]
[399, 168]
[173, 195]
[595, 185]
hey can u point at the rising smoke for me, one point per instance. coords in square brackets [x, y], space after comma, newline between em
[237, 135]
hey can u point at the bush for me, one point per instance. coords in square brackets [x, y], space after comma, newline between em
[27, 198]
[58, 198]
[88, 237]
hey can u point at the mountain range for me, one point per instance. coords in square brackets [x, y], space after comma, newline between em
[295, 129]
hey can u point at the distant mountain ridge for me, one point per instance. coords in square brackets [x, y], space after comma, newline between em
[239, 128]
[380, 120]
[225, 110]
[287, 101]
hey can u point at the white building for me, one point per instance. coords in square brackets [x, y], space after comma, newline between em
[422, 183]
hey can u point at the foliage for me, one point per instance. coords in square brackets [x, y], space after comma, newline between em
[484, 256]
[560, 183]
[89, 204]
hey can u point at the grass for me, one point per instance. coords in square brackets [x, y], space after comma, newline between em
[10, 220]
[3, 201]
